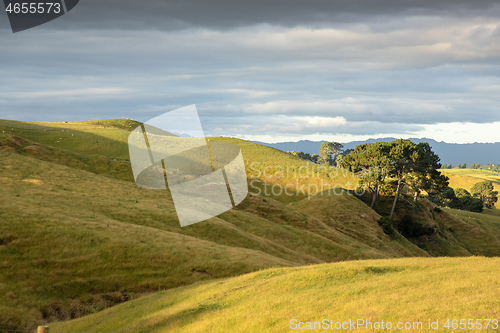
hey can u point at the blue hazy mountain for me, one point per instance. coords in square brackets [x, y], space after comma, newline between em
[450, 153]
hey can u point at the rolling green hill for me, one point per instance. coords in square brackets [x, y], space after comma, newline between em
[77, 235]
[407, 291]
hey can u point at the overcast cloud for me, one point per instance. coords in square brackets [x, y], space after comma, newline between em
[268, 70]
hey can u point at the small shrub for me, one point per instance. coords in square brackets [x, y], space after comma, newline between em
[408, 227]
[386, 225]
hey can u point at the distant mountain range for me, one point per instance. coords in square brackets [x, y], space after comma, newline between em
[450, 153]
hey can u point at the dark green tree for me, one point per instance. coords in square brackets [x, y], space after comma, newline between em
[415, 165]
[302, 155]
[425, 175]
[458, 199]
[467, 202]
[444, 197]
[342, 156]
[461, 192]
[370, 161]
[403, 156]
[329, 152]
[485, 192]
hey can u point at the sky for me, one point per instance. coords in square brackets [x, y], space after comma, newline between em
[272, 71]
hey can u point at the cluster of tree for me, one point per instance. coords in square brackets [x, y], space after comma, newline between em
[481, 195]
[305, 156]
[484, 190]
[457, 199]
[458, 166]
[396, 164]
[330, 153]
[462, 166]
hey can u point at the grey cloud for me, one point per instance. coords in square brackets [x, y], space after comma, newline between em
[268, 125]
[385, 66]
[225, 14]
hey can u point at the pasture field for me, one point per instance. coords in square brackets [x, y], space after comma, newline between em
[410, 291]
[466, 178]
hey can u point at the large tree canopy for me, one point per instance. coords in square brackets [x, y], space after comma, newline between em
[485, 192]
[404, 156]
[425, 175]
[371, 162]
[403, 161]
[329, 151]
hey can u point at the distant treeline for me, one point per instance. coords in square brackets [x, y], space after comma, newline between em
[330, 153]
[491, 166]
[481, 195]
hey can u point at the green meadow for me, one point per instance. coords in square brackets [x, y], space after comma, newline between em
[77, 236]
[412, 292]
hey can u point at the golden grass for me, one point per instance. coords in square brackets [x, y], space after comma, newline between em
[466, 178]
[75, 242]
[396, 290]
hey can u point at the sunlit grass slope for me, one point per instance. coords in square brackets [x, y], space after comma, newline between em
[73, 242]
[483, 174]
[110, 138]
[70, 233]
[478, 231]
[68, 248]
[396, 290]
[77, 235]
[102, 137]
[101, 146]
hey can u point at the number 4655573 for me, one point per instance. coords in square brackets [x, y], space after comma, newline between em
[34, 8]
[471, 324]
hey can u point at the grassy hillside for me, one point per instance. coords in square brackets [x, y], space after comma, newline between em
[438, 231]
[102, 137]
[101, 147]
[77, 235]
[397, 290]
[71, 246]
[467, 174]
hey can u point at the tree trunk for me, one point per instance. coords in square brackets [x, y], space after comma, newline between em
[395, 200]
[374, 198]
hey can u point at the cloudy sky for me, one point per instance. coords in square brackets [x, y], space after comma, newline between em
[269, 70]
